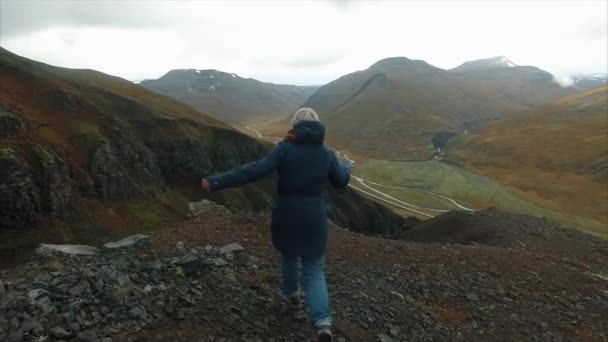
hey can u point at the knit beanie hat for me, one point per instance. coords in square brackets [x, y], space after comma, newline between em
[304, 114]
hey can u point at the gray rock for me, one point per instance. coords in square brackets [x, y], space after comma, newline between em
[123, 168]
[74, 327]
[19, 195]
[136, 312]
[195, 209]
[382, 337]
[11, 125]
[472, 296]
[59, 332]
[78, 290]
[57, 184]
[15, 336]
[129, 241]
[219, 262]
[231, 248]
[36, 294]
[87, 336]
[188, 259]
[46, 249]
[2, 289]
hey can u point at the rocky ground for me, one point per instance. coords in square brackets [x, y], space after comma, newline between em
[194, 283]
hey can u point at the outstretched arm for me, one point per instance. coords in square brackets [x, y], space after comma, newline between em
[339, 172]
[245, 174]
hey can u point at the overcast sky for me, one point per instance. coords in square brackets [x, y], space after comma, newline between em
[305, 42]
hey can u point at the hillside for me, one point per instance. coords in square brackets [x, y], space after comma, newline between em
[228, 97]
[85, 157]
[393, 109]
[555, 155]
[214, 278]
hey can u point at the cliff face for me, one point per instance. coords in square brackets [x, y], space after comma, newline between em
[85, 157]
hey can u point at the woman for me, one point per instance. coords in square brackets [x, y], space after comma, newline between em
[299, 222]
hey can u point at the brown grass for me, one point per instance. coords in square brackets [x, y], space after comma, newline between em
[555, 155]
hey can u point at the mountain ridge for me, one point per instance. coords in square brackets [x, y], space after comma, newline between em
[229, 97]
[414, 99]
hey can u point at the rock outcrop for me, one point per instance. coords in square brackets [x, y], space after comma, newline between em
[19, 195]
[11, 125]
[122, 168]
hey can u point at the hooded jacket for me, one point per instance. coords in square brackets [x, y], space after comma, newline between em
[305, 166]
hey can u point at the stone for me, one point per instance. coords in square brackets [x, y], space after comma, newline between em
[74, 327]
[87, 336]
[148, 289]
[123, 168]
[46, 249]
[231, 248]
[15, 336]
[20, 202]
[99, 284]
[472, 296]
[382, 337]
[11, 124]
[219, 262]
[2, 289]
[197, 208]
[188, 259]
[136, 312]
[77, 290]
[60, 333]
[129, 241]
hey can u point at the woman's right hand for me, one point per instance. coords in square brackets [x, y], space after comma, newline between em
[205, 185]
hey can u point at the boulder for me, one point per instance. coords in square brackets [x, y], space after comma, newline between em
[197, 208]
[46, 249]
[128, 242]
[231, 248]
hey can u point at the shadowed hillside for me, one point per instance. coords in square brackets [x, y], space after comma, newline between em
[228, 97]
[85, 157]
[555, 155]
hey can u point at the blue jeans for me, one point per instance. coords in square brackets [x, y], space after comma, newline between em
[313, 279]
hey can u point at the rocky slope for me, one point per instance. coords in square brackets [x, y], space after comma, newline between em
[215, 279]
[89, 157]
[229, 97]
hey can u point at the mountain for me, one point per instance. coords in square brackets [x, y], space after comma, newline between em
[85, 157]
[394, 108]
[588, 81]
[228, 97]
[555, 154]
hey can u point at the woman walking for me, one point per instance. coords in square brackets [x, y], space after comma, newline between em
[299, 222]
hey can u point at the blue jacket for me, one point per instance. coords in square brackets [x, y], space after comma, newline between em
[304, 166]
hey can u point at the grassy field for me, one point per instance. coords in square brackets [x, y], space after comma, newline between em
[467, 188]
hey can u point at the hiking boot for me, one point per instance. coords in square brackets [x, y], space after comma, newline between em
[324, 334]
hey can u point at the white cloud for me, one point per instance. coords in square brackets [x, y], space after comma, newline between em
[563, 80]
[307, 42]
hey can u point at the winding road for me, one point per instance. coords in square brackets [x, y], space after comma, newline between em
[377, 194]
